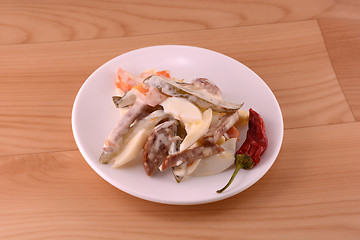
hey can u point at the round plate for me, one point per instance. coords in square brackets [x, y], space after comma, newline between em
[94, 115]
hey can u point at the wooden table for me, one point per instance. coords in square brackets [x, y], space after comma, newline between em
[308, 53]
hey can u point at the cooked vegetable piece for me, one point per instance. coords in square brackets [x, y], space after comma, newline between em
[148, 73]
[124, 136]
[186, 90]
[243, 118]
[207, 85]
[182, 170]
[122, 126]
[131, 149]
[233, 132]
[217, 163]
[164, 73]
[158, 144]
[214, 133]
[210, 165]
[182, 110]
[185, 169]
[205, 104]
[175, 148]
[148, 94]
[196, 130]
[190, 155]
[128, 99]
[254, 146]
[125, 80]
[179, 172]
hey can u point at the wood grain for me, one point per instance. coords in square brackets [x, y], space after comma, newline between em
[24, 21]
[311, 192]
[290, 57]
[342, 38]
[306, 51]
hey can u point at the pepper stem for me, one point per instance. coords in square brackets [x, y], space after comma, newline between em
[241, 161]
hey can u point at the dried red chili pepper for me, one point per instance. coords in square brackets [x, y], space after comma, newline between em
[255, 144]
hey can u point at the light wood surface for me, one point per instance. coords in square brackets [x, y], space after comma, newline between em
[62, 20]
[306, 51]
[345, 56]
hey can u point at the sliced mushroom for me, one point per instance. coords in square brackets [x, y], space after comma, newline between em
[206, 84]
[157, 147]
[190, 155]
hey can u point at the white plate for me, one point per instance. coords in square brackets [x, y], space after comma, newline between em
[94, 115]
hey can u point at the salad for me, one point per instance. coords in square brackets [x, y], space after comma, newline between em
[178, 126]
